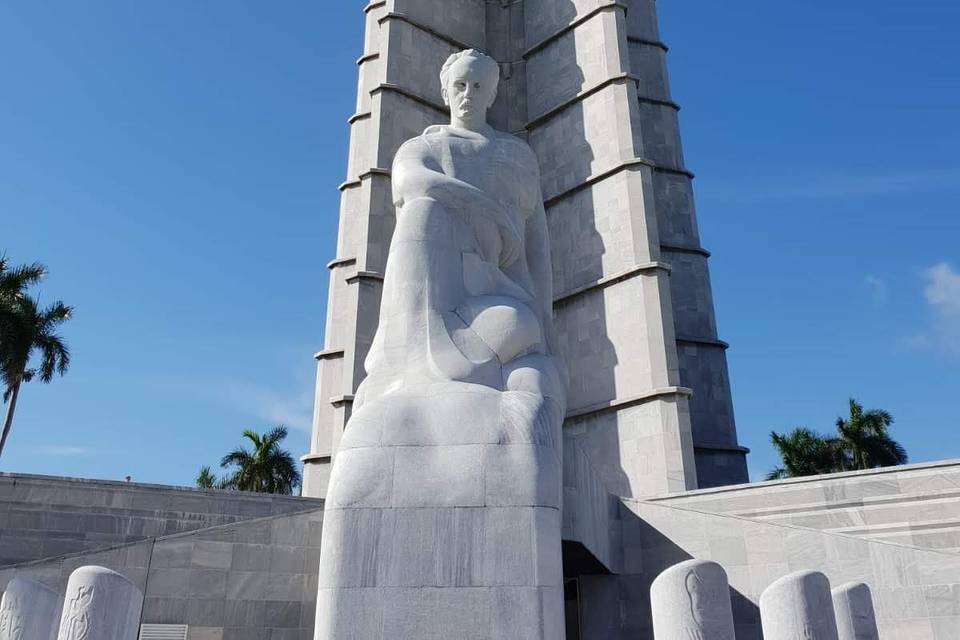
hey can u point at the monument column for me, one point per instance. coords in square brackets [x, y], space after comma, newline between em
[585, 84]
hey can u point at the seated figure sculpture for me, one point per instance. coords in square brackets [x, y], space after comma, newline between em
[442, 517]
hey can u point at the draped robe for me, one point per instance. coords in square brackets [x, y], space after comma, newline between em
[443, 512]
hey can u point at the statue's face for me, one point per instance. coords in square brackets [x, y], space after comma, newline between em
[470, 90]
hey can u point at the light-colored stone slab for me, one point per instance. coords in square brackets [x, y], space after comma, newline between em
[853, 605]
[798, 606]
[100, 604]
[691, 601]
[29, 611]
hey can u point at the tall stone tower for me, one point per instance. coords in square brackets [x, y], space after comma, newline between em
[585, 83]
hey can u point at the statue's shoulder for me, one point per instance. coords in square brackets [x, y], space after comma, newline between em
[516, 146]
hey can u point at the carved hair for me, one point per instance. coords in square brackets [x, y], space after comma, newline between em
[491, 65]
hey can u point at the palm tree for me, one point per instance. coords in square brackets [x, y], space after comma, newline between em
[866, 439]
[266, 469]
[24, 329]
[862, 442]
[804, 453]
[206, 478]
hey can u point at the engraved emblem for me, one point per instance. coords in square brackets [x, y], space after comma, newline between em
[703, 611]
[11, 622]
[76, 625]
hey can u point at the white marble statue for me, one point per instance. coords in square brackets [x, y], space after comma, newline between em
[443, 512]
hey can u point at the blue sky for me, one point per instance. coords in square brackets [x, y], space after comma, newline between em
[175, 165]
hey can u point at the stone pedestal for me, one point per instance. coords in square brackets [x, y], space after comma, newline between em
[798, 606]
[29, 611]
[856, 619]
[100, 604]
[691, 601]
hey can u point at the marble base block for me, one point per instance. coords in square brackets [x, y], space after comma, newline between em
[100, 604]
[29, 611]
[691, 601]
[798, 605]
[856, 619]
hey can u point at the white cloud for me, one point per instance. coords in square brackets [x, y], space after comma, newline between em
[942, 293]
[292, 409]
[943, 290]
[65, 451]
[877, 287]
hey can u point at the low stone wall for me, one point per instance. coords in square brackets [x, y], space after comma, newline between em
[244, 581]
[917, 505]
[46, 516]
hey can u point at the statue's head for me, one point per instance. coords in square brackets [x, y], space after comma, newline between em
[468, 84]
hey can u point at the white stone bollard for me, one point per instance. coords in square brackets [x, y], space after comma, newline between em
[691, 601]
[100, 604]
[798, 607]
[29, 611]
[856, 619]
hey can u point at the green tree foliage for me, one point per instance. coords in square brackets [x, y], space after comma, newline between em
[206, 479]
[862, 442]
[266, 468]
[27, 329]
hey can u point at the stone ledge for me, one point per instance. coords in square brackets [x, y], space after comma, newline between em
[606, 281]
[700, 251]
[705, 342]
[329, 354]
[586, 93]
[359, 116]
[616, 405]
[402, 17]
[649, 43]
[365, 275]
[720, 448]
[573, 25]
[341, 262]
[373, 5]
[374, 171]
[339, 401]
[316, 458]
[395, 88]
[603, 175]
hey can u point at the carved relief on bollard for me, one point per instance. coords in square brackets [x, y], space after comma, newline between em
[76, 613]
[100, 604]
[798, 606]
[691, 601]
[11, 619]
[28, 611]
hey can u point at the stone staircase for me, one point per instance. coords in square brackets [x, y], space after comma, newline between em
[916, 505]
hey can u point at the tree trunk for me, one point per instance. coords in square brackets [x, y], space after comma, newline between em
[8, 420]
